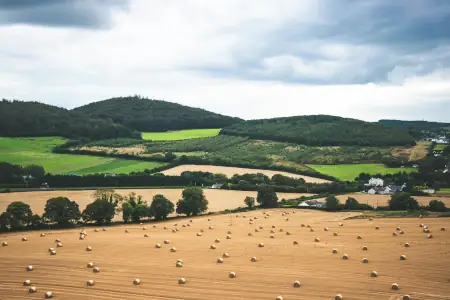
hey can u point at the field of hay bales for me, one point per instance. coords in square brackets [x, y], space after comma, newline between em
[230, 171]
[123, 257]
[382, 200]
[218, 199]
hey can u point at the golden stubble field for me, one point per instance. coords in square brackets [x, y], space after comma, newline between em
[230, 171]
[122, 257]
[383, 200]
[218, 199]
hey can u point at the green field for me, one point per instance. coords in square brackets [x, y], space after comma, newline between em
[440, 147]
[351, 171]
[444, 191]
[27, 151]
[180, 135]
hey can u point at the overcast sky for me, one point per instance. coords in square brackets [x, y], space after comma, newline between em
[367, 59]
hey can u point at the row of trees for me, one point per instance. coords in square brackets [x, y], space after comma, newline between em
[63, 212]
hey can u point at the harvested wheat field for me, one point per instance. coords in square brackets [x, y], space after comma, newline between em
[218, 199]
[230, 171]
[185, 265]
[382, 200]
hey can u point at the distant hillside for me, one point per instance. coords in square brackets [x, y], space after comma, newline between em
[419, 129]
[154, 115]
[19, 119]
[320, 130]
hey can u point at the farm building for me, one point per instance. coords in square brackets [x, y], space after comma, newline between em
[312, 203]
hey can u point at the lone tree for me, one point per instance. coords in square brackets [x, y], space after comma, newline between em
[267, 197]
[99, 211]
[134, 208]
[62, 211]
[192, 202]
[403, 201]
[161, 207]
[437, 205]
[250, 202]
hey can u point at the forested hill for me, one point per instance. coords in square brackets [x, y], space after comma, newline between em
[19, 118]
[154, 115]
[320, 130]
[418, 128]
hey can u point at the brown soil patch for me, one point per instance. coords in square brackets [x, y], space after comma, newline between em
[123, 257]
[230, 171]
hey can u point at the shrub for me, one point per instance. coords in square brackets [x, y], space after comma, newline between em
[62, 211]
[403, 201]
[161, 207]
[267, 197]
[99, 211]
[437, 205]
[250, 202]
[193, 202]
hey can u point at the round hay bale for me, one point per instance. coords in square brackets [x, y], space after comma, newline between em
[402, 257]
[250, 234]
[181, 281]
[90, 282]
[96, 270]
[374, 274]
[32, 290]
[377, 228]
[158, 246]
[226, 255]
[30, 268]
[191, 221]
[296, 284]
[256, 218]
[370, 219]
[173, 249]
[303, 225]
[53, 252]
[273, 226]
[165, 227]
[287, 219]
[253, 259]
[104, 229]
[126, 231]
[430, 236]
[325, 229]
[209, 219]
[217, 240]
[394, 233]
[27, 282]
[59, 245]
[316, 240]
[175, 225]
[266, 217]
[420, 225]
[144, 228]
[272, 236]
[211, 227]
[272, 231]
[4, 244]
[177, 229]
[335, 234]
[359, 237]
[443, 229]
[345, 257]
[338, 297]
[365, 248]
[341, 224]
[137, 281]
[228, 237]
[146, 235]
[398, 229]
[90, 265]
[188, 225]
[261, 245]
[406, 297]
[96, 230]
[82, 237]
[426, 230]
[166, 242]
[407, 245]
[24, 239]
[365, 260]
[88, 248]
[309, 226]
[279, 298]
[395, 286]
[251, 222]
[256, 230]
[335, 251]
[199, 234]
[212, 247]
[229, 232]
[51, 249]
[288, 233]
[42, 234]
[232, 275]
[180, 260]
[48, 295]
[220, 260]
[281, 230]
[184, 225]
[312, 230]
[179, 264]
[401, 232]
[295, 243]
[174, 230]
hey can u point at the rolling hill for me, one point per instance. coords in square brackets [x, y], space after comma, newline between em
[419, 129]
[320, 130]
[143, 114]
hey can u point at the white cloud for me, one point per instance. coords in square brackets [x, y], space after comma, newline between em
[156, 49]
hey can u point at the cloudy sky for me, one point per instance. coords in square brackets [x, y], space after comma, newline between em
[367, 59]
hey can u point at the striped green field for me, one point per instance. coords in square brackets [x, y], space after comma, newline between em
[351, 171]
[27, 151]
[440, 147]
[180, 135]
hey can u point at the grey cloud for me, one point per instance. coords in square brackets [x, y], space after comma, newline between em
[60, 13]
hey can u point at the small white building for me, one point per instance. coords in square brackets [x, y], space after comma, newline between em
[216, 186]
[429, 191]
[303, 204]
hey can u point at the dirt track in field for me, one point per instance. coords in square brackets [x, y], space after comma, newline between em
[218, 199]
[122, 257]
[230, 171]
[382, 200]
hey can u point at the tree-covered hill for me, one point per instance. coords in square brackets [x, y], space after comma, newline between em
[320, 130]
[18, 119]
[419, 129]
[154, 115]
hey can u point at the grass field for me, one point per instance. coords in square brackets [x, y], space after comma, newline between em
[444, 191]
[122, 257]
[351, 171]
[440, 147]
[180, 135]
[27, 151]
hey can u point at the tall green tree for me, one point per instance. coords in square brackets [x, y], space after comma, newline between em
[351, 203]
[437, 205]
[332, 203]
[161, 207]
[108, 195]
[267, 197]
[99, 211]
[62, 210]
[19, 214]
[134, 208]
[250, 202]
[34, 170]
[193, 202]
[403, 201]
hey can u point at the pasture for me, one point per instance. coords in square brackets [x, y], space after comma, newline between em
[230, 171]
[351, 171]
[261, 273]
[218, 199]
[180, 135]
[440, 147]
[37, 150]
